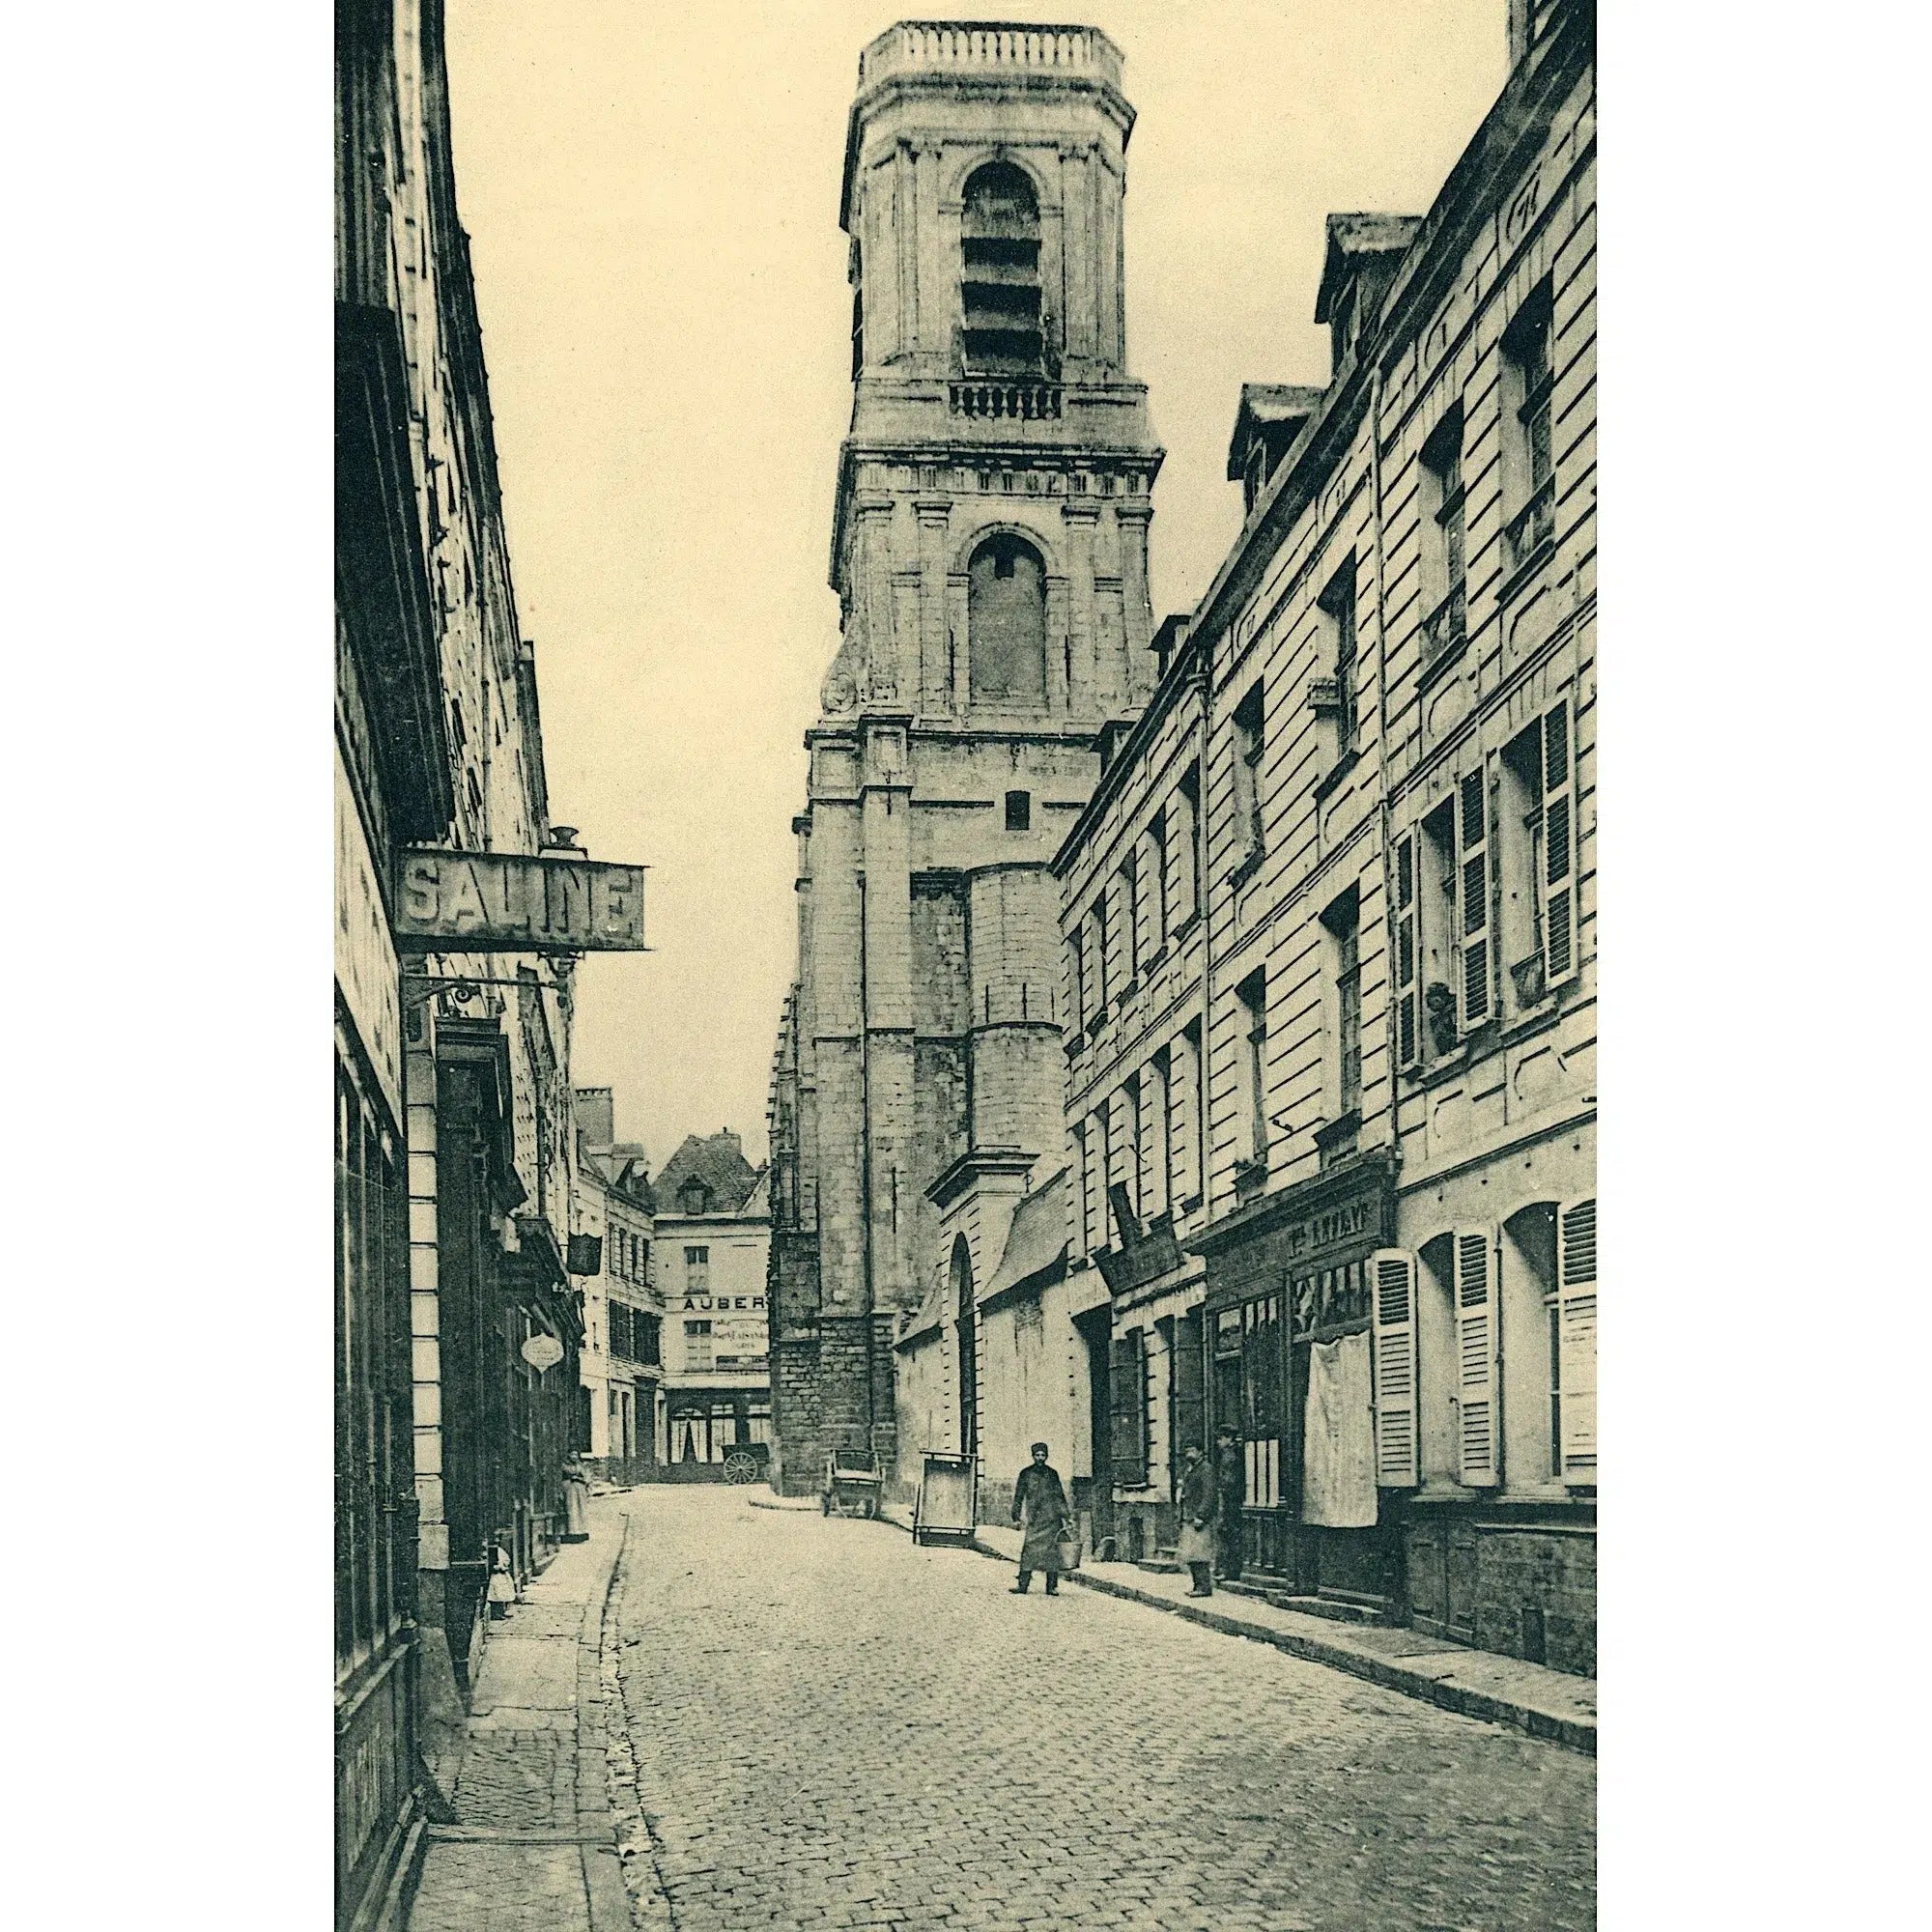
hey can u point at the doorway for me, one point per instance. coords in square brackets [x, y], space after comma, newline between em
[1095, 1328]
[968, 1324]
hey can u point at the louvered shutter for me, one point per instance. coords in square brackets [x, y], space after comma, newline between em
[1393, 1309]
[1407, 973]
[1478, 1432]
[1473, 895]
[1559, 849]
[1577, 1340]
[1188, 1392]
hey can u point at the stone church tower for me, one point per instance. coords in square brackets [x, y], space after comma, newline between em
[989, 553]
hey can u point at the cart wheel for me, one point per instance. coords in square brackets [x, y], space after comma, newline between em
[740, 1467]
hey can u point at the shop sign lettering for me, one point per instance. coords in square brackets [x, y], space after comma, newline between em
[1332, 1227]
[511, 902]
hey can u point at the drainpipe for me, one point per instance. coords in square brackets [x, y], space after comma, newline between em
[1382, 807]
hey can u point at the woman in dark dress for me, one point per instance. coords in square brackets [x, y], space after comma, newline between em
[1040, 1508]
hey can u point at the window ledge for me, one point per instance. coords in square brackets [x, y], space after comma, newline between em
[1248, 868]
[1527, 571]
[1333, 777]
[1443, 662]
[1533, 1021]
[1160, 954]
[1335, 1133]
[1186, 925]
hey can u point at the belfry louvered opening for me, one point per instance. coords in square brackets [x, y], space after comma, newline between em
[999, 287]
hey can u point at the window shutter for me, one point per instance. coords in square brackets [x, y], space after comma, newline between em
[1478, 1435]
[1407, 974]
[1129, 1402]
[1577, 1340]
[1393, 1307]
[1189, 1392]
[1559, 849]
[1474, 895]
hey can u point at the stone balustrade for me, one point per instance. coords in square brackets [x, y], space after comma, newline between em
[923, 46]
[1028, 402]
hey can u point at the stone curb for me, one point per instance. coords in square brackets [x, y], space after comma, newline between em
[1553, 1727]
[605, 1897]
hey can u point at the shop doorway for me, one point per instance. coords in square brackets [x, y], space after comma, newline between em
[1095, 1328]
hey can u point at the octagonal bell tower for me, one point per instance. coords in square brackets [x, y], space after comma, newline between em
[989, 553]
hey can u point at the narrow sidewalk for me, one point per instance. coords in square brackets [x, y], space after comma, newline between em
[1531, 1697]
[535, 1848]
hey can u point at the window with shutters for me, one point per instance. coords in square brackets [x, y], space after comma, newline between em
[620, 1331]
[1476, 941]
[1528, 469]
[1573, 1344]
[1393, 1328]
[1159, 1134]
[1479, 1432]
[1444, 544]
[1536, 844]
[1404, 944]
[1127, 1389]
[1249, 743]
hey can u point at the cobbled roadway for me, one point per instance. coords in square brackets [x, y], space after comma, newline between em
[834, 1728]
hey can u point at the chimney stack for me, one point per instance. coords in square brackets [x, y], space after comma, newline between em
[596, 1115]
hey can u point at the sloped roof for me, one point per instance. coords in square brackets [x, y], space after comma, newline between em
[1036, 1242]
[1267, 405]
[718, 1161]
[929, 1317]
[1351, 234]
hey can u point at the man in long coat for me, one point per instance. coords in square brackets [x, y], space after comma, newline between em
[1040, 1508]
[1195, 1544]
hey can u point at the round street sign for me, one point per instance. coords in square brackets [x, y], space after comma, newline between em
[542, 1351]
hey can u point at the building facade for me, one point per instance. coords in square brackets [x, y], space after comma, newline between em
[989, 553]
[1329, 947]
[623, 1425]
[453, 1155]
[711, 1267]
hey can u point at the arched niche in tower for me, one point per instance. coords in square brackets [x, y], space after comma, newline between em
[1005, 621]
[999, 273]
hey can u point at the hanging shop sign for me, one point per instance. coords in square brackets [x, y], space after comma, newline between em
[542, 1351]
[513, 902]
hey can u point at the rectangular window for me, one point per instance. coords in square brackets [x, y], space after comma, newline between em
[1187, 1124]
[1342, 922]
[1445, 618]
[1019, 811]
[1130, 914]
[697, 1345]
[1529, 481]
[1077, 944]
[1404, 937]
[1249, 743]
[1251, 1123]
[1128, 1393]
[1159, 885]
[620, 1331]
[1187, 847]
[1100, 961]
[1160, 1133]
[1129, 1113]
[697, 1270]
[1338, 607]
[1537, 858]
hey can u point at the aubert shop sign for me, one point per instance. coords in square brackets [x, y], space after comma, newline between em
[512, 902]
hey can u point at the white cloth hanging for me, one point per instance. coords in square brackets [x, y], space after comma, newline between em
[1338, 1452]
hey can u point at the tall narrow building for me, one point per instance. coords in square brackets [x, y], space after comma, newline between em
[989, 553]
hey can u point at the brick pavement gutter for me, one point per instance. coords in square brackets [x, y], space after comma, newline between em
[1529, 1697]
[506, 1871]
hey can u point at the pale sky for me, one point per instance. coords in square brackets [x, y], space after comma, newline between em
[652, 195]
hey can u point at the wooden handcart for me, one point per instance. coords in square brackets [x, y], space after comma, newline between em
[852, 1483]
[948, 1496]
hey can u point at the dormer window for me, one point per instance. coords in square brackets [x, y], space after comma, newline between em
[693, 1198]
[998, 282]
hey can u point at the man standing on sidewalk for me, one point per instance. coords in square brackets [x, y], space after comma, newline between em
[1232, 1488]
[1040, 1508]
[1194, 1544]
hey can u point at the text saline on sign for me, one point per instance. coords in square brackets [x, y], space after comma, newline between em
[512, 901]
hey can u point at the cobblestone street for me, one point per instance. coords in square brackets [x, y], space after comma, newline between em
[832, 1728]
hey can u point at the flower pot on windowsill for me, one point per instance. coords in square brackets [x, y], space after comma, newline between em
[1526, 975]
